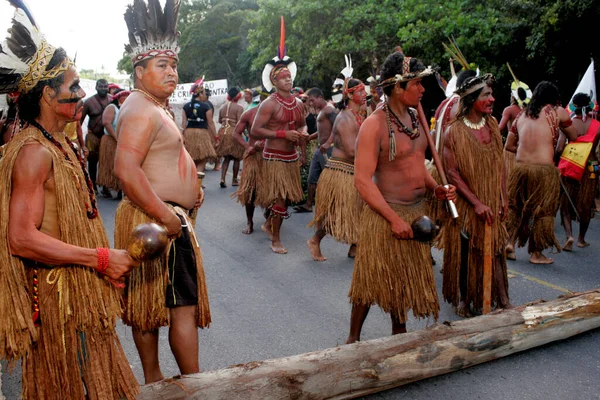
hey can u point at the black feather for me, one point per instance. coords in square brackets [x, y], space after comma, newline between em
[20, 41]
[171, 14]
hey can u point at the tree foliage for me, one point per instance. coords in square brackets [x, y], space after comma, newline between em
[541, 39]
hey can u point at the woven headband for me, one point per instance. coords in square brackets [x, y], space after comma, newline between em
[37, 68]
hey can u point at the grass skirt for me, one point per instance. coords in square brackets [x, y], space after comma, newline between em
[534, 195]
[582, 193]
[228, 146]
[251, 181]
[280, 180]
[510, 159]
[395, 274]
[106, 169]
[92, 142]
[145, 307]
[338, 204]
[199, 143]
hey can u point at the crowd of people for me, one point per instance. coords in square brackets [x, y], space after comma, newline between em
[370, 177]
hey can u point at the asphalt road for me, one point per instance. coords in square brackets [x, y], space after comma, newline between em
[266, 305]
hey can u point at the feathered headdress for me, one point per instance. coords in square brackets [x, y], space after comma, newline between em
[279, 62]
[475, 83]
[25, 54]
[337, 93]
[457, 55]
[197, 85]
[152, 31]
[520, 90]
[406, 75]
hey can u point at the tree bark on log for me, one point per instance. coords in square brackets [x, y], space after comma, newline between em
[363, 368]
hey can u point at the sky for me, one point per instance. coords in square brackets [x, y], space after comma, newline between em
[94, 29]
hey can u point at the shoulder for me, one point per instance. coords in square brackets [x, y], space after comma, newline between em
[374, 126]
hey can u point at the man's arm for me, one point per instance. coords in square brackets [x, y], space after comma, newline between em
[183, 120]
[137, 131]
[81, 141]
[211, 123]
[259, 128]
[454, 177]
[31, 170]
[85, 112]
[368, 145]
[107, 120]
[505, 119]
[569, 129]
[242, 124]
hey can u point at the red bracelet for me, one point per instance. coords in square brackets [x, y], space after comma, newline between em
[280, 134]
[102, 254]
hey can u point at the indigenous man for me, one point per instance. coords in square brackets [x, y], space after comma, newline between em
[338, 202]
[473, 144]
[280, 121]
[325, 119]
[228, 147]
[253, 167]
[392, 270]
[160, 183]
[534, 186]
[579, 168]
[199, 127]
[58, 300]
[447, 110]
[93, 108]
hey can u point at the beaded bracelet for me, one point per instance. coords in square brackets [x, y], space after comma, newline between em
[280, 134]
[102, 254]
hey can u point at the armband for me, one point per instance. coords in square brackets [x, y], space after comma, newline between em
[280, 134]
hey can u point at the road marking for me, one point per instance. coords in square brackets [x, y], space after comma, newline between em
[541, 282]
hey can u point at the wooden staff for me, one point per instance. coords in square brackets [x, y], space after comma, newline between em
[487, 269]
[436, 158]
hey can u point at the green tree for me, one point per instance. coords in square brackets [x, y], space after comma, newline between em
[215, 43]
[125, 65]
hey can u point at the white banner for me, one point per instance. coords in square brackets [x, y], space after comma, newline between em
[182, 94]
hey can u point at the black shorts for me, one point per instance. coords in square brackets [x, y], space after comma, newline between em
[182, 289]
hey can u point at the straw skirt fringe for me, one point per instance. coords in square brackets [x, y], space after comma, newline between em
[281, 180]
[145, 299]
[199, 143]
[106, 168]
[534, 194]
[228, 146]
[395, 274]
[251, 181]
[338, 205]
[582, 193]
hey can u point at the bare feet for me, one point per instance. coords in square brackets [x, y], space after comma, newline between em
[303, 208]
[352, 251]
[568, 246]
[510, 253]
[352, 339]
[463, 310]
[582, 243]
[266, 228]
[315, 250]
[278, 248]
[538, 258]
[249, 229]
[508, 306]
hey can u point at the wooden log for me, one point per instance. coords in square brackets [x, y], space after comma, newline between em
[359, 369]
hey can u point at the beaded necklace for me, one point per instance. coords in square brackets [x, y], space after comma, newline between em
[149, 96]
[412, 134]
[92, 208]
[291, 110]
[358, 116]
